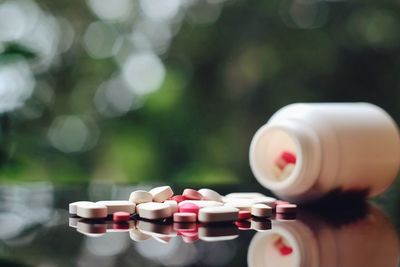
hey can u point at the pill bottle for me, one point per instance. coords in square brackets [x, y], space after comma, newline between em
[310, 241]
[308, 150]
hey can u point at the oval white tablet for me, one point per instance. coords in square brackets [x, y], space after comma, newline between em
[261, 210]
[72, 206]
[118, 205]
[209, 194]
[140, 196]
[91, 210]
[240, 203]
[243, 204]
[161, 193]
[154, 210]
[202, 203]
[218, 214]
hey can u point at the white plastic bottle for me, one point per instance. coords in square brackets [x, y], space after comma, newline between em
[337, 146]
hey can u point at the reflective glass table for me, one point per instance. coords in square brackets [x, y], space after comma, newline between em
[36, 230]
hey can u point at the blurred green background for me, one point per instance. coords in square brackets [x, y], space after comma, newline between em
[173, 90]
[102, 97]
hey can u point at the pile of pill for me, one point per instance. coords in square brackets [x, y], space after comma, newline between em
[159, 213]
[284, 165]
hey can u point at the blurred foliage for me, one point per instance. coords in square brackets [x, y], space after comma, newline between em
[223, 80]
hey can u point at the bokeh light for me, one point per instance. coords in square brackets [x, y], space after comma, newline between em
[117, 10]
[73, 134]
[99, 39]
[16, 84]
[160, 9]
[113, 98]
[144, 73]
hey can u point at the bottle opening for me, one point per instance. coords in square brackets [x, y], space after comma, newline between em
[274, 156]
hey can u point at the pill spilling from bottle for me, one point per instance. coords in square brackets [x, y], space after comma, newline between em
[193, 215]
[284, 165]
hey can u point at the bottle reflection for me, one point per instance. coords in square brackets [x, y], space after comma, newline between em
[310, 241]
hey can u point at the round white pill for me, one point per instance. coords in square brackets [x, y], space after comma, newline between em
[72, 206]
[161, 193]
[91, 210]
[261, 210]
[154, 210]
[140, 196]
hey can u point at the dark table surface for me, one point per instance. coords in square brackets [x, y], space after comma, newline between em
[36, 230]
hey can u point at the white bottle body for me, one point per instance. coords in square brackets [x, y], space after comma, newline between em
[339, 146]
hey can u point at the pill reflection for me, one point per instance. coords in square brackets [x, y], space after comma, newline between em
[218, 232]
[260, 225]
[157, 229]
[311, 241]
[91, 228]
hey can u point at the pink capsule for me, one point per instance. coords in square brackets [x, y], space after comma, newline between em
[121, 216]
[189, 207]
[192, 194]
[284, 249]
[289, 157]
